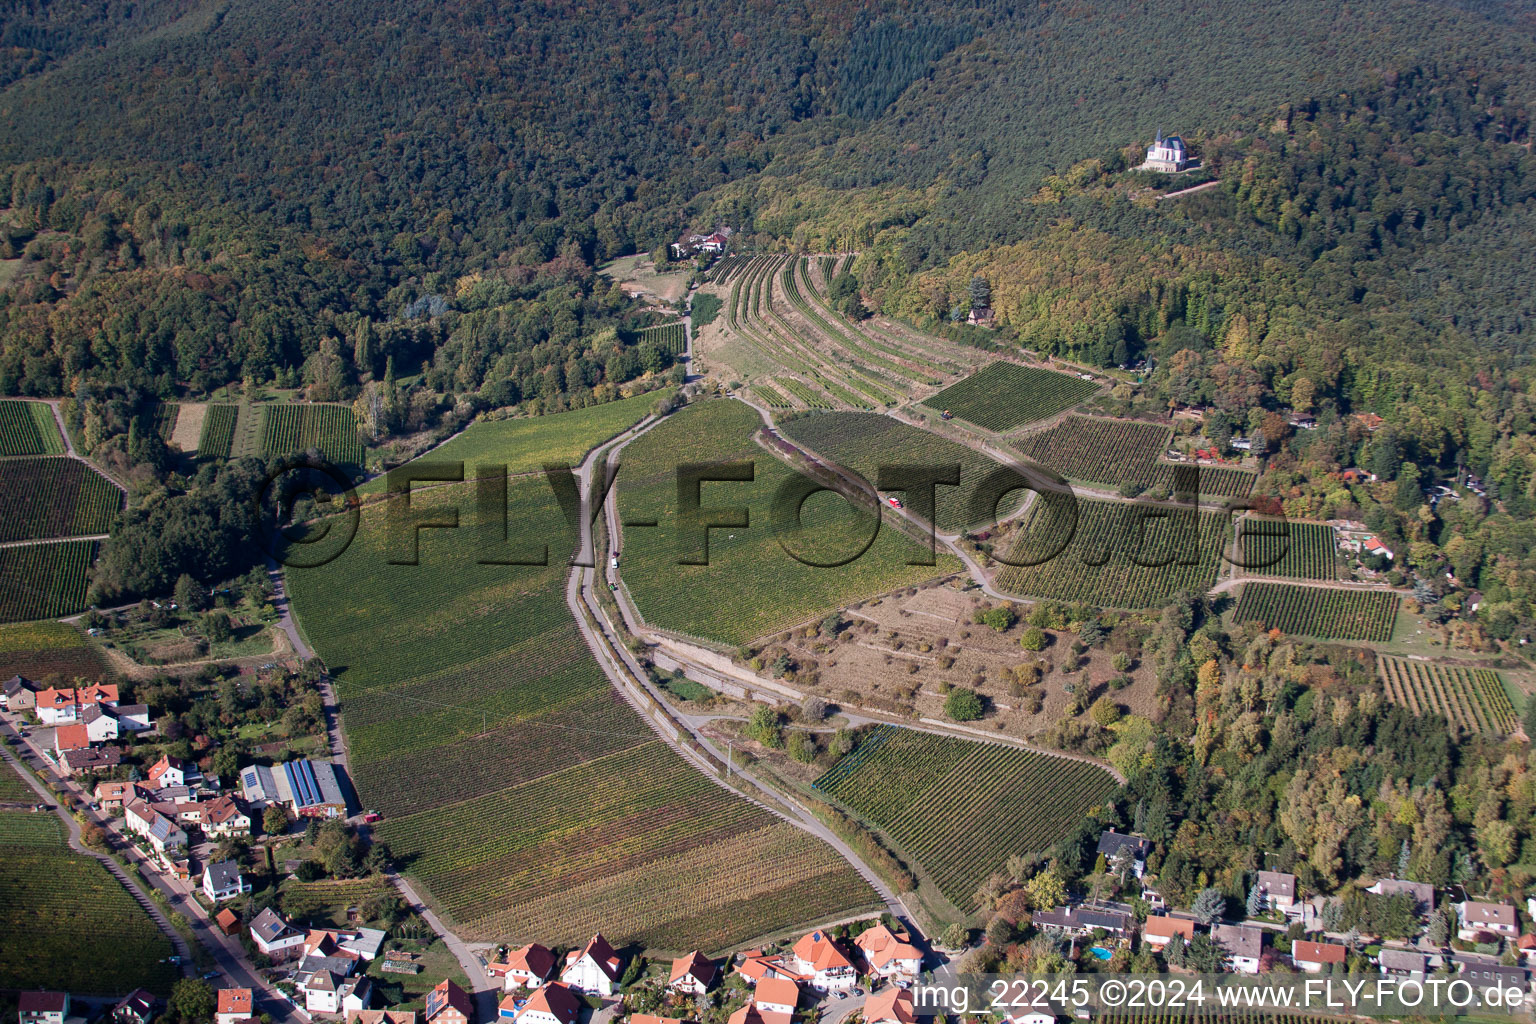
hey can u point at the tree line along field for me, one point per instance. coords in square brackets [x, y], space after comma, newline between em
[1004, 395]
[1097, 450]
[1322, 612]
[290, 429]
[28, 428]
[38, 650]
[54, 497]
[518, 789]
[960, 808]
[864, 442]
[44, 580]
[752, 586]
[1105, 560]
[525, 444]
[71, 924]
[1281, 547]
[672, 338]
[1474, 699]
[218, 434]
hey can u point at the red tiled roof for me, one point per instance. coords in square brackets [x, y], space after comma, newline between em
[781, 991]
[535, 959]
[881, 946]
[556, 999]
[890, 1004]
[818, 950]
[71, 737]
[235, 1000]
[1317, 952]
[694, 965]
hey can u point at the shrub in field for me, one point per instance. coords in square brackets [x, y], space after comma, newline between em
[963, 705]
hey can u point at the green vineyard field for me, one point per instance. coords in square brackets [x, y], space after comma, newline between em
[1325, 613]
[39, 649]
[1113, 452]
[1002, 396]
[332, 429]
[28, 428]
[671, 337]
[477, 719]
[1113, 557]
[218, 431]
[1473, 698]
[960, 809]
[709, 601]
[54, 497]
[84, 931]
[44, 581]
[1277, 547]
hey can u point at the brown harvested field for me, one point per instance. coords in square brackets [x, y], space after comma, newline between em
[638, 274]
[896, 653]
[189, 426]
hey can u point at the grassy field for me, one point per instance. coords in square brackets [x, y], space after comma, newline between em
[82, 930]
[1002, 396]
[1473, 698]
[28, 428]
[525, 444]
[865, 441]
[752, 585]
[54, 497]
[527, 799]
[43, 581]
[960, 809]
[39, 650]
[1323, 613]
[1111, 558]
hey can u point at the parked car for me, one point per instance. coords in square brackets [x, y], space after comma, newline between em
[894, 502]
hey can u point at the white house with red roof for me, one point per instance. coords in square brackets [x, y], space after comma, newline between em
[1495, 918]
[692, 973]
[891, 1005]
[62, 707]
[528, 967]
[163, 833]
[42, 1007]
[448, 1004]
[234, 1006]
[551, 1003]
[71, 737]
[756, 965]
[171, 771]
[776, 998]
[825, 967]
[889, 955]
[594, 969]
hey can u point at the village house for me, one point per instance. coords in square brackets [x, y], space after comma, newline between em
[651, 1018]
[381, 1017]
[70, 737]
[18, 694]
[1039, 1011]
[162, 833]
[137, 1007]
[1301, 421]
[223, 817]
[824, 966]
[1085, 919]
[1403, 963]
[311, 789]
[756, 965]
[1422, 892]
[1278, 890]
[91, 759]
[109, 722]
[594, 969]
[1243, 945]
[275, 937]
[449, 1004]
[325, 992]
[222, 881]
[528, 967]
[1482, 974]
[1119, 846]
[172, 771]
[692, 973]
[552, 1003]
[1493, 918]
[64, 707]
[42, 1007]
[1316, 957]
[888, 954]
[234, 1006]
[776, 999]
[891, 1005]
[355, 944]
[1159, 930]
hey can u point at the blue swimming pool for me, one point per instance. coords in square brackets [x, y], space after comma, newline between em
[1100, 952]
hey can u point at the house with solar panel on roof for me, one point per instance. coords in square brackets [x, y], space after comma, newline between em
[1168, 155]
[310, 789]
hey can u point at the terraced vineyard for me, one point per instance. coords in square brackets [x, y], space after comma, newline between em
[708, 601]
[476, 719]
[54, 497]
[84, 931]
[770, 396]
[332, 429]
[1277, 547]
[1003, 395]
[1473, 698]
[728, 267]
[671, 337]
[960, 809]
[218, 431]
[44, 581]
[865, 441]
[40, 649]
[1114, 557]
[1112, 452]
[1326, 613]
[28, 428]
